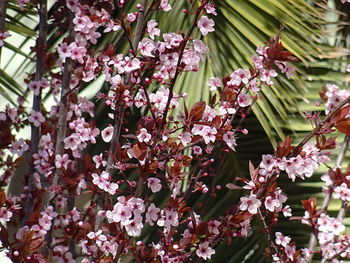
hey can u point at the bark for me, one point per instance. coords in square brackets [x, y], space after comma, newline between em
[61, 127]
[3, 8]
[35, 131]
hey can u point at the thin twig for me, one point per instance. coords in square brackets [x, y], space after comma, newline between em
[177, 71]
[319, 127]
[3, 8]
[267, 231]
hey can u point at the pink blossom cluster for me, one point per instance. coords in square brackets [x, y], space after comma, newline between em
[334, 96]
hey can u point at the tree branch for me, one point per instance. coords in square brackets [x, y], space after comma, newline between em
[62, 123]
[328, 196]
[3, 8]
[119, 114]
[319, 127]
[35, 131]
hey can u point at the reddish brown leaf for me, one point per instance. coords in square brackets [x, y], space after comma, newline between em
[202, 228]
[284, 148]
[344, 126]
[197, 111]
[35, 244]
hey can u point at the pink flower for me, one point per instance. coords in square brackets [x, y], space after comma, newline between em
[204, 251]
[35, 86]
[168, 218]
[144, 136]
[165, 6]
[342, 192]
[229, 138]
[206, 25]
[98, 159]
[132, 64]
[36, 118]
[238, 77]
[103, 182]
[146, 47]
[210, 9]
[77, 52]
[268, 162]
[243, 100]
[266, 76]
[154, 184]
[152, 214]
[251, 203]
[5, 214]
[64, 51]
[131, 17]
[107, 133]
[287, 211]
[72, 142]
[197, 150]
[214, 83]
[134, 227]
[282, 240]
[185, 138]
[11, 112]
[62, 161]
[271, 204]
[172, 40]
[152, 28]
[213, 227]
[209, 134]
[19, 147]
[348, 65]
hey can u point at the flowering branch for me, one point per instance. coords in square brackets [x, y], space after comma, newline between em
[119, 113]
[319, 127]
[328, 196]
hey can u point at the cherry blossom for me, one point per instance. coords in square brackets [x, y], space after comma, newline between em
[144, 136]
[165, 6]
[107, 133]
[36, 118]
[206, 25]
[154, 184]
[251, 204]
[152, 29]
[5, 214]
[229, 138]
[204, 251]
[62, 161]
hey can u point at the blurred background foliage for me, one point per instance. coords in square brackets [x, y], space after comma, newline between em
[316, 32]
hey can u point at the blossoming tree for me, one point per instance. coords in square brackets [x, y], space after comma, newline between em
[82, 207]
